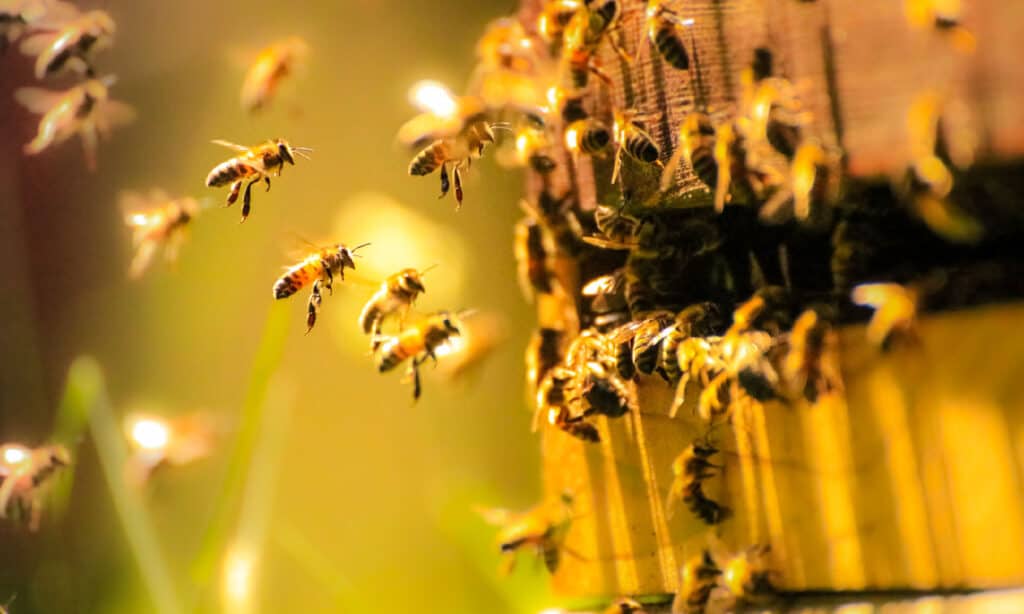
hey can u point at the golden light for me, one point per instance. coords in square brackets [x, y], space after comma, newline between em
[239, 569]
[453, 346]
[522, 143]
[15, 454]
[433, 97]
[572, 139]
[150, 433]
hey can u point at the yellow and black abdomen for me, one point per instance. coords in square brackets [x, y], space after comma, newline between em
[298, 277]
[228, 172]
[666, 39]
[396, 349]
[641, 146]
[430, 158]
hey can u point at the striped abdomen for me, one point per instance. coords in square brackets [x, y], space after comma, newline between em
[386, 301]
[430, 158]
[396, 349]
[579, 68]
[230, 171]
[592, 136]
[640, 145]
[671, 48]
[298, 277]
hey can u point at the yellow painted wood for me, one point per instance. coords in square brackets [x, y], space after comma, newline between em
[911, 480]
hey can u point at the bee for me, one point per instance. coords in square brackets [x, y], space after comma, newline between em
[397, 293]
[533, 148]
[554, 16]
[506, 46]
[663, 30]
[255, 164]
[25, 473]
[945, 17]
[557, 219]
[625, 605]
[553, 394]
[604, 392]
[273, 64]
[812, 179]
[18, 15]
[156, 221]
[811, 363]
[454, 152]
[542, 527]
[532, 259]
[588, 136]
[5, 608]
[545, 351]
[417, 342]
[634, 140]
[156, 442]
[695, 320]
[86, 110]
[697, 579]
[698, 360]
[72, 45]
[697, 148]
[569, 104]
[319, 267]
[691, 468]
[648, 340]
[895, 314]
[748, 576]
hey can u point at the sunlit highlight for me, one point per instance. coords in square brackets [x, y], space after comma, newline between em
[239, 567]
[572, 139]
[14, 455]
[150, 434]
[433, 97]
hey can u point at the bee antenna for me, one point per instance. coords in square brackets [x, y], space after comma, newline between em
[501, 126]
[428, 269]
[465, 313]
[356, 248]
[303, 151]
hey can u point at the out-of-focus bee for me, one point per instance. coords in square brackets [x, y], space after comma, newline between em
[254, 165]
[18, 15]
[648, 339]
[944, 16]
[587, 136]
[663, 30]
[544, 352]
[156, 220]
[479, 334]
[319, 267]
[26, 473]
[690, 469]
[698, 360]
[697, 579]
[553, 394]
[533, 148]
[542, 528]
[274, 63]
[811, 363]
[895, 311]
[418, 343]
[156, 442]
[748, 576]
[531, 255]
[695, 320]
[604, 392]
[557, 218]
[5, 608]
[561, 418]
[397, 293]
[625, 605]
[505, 45]
[553, 18]
[812, 178]
[697, 148]
[86, 110]
[71, 45]
[775, 112]
[634, 140]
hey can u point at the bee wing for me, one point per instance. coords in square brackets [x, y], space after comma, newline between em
[497, 516]
[113, 113]
[230, 145]
[871, 295]
[625, 332]
[36, 99]
[427, 127]
[605, 243]
[49, 14]
[37, 43]
[142, 259]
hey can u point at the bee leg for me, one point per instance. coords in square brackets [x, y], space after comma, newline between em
[330, 280]
[458, 188]
[266, 178]
[247, 199]
[315, 298]
[444, 181]
[236, 187]
[417, 388]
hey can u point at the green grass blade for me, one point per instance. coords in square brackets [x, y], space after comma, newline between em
[84, 386]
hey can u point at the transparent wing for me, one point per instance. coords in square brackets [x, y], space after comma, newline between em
[36, 99]
[230, 145]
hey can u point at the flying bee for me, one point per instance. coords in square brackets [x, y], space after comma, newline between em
[318, 268]
[594, 22]
[748, 576]
[544, 352]
[696, 320]
[505, 45]
[86, 110]
[18, 15]
[811, 363]
[813, 179]
[569, 104]
[625, 605]
[25, 473]
[254, 165]
[608, 299]
[535, 276]
[157, 442]
[273, 64]
[156, 221]
[628, 136]
[588, 136]
[72, 45]
[697, 579]
[558, 221]
[455, 153]
[542, 528]
[691, 468]
[895, 314]
[561, 418]
[418, 343]
[664, 27]
[697, 148]
[396, 294]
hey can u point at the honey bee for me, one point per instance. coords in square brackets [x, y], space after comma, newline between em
[628, 136]
[418, 343]
[533, 148]
[397, 293]
[544, 352]
[593, 22]
[748, 577]
[811, 363]
[812, 179]
[557, 219]
[71, 45]
[696, 320]
[663, 30]
[86, 110]
[157, 442]
[698, 360]
[542, 528]
[273, 64]
[588, 136]
[648, 340]
[945, 17]
[553, 393]
[532, 259]
[605, 392]
[254, 165]
[698, 577]
[895, 314]
[454, 152]
[156, 221]
[479, 334]
[5, 608]
[319, 267]
[691, 468]
[553, 18]
[624, 605]
[26, 473]
[18, 15]
[697, 148]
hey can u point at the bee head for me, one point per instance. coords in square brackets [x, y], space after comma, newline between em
[448, 321]
[59, 456]
[348, 256]
[285, 150]
[410, 281]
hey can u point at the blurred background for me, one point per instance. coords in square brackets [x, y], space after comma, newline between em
[358, 500]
